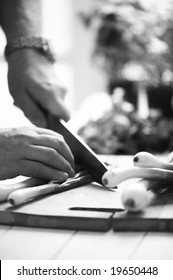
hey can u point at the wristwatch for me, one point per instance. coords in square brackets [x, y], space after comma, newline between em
[40, 44]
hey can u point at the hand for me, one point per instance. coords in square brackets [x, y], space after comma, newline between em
[34, 152]
[34, 86]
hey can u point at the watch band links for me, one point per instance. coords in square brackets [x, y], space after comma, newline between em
[38, 43]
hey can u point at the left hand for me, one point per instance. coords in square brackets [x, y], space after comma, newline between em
[34, 86]
[34, 152]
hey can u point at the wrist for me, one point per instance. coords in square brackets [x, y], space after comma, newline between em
[38, 44]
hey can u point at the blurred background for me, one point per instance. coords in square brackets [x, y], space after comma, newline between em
[116, 59]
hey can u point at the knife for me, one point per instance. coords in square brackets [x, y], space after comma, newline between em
[82, 153]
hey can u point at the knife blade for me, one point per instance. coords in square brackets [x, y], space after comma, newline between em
[83, 154]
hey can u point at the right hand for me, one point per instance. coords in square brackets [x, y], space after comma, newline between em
[34, 86]
[34, 152]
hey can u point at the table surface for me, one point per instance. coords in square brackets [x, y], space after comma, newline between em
[49, 244]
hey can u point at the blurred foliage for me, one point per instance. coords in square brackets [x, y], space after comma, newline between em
[132, 43]
[127, 32]
[121, 131]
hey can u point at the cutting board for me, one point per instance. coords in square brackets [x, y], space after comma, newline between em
[90, 207]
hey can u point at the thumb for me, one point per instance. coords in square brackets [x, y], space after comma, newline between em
[31, 109]
[52, 99]
[60, 109]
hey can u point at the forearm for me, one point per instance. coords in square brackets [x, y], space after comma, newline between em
[21, 18]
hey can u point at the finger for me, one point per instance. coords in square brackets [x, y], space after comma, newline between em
[41, 131]
[46, 131]
[49, 157]
[29, 137]
[39, 170]
[51, 98]
[58, 89]
[60, 110]
[57, 143]
[31, 109]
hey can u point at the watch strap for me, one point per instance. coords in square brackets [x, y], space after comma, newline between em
[38, 43]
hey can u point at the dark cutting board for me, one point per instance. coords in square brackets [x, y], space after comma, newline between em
[89, 207]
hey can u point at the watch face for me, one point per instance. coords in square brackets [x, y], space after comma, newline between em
[48, 52]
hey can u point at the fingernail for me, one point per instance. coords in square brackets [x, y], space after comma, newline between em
[72, 173]
[64, 176]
